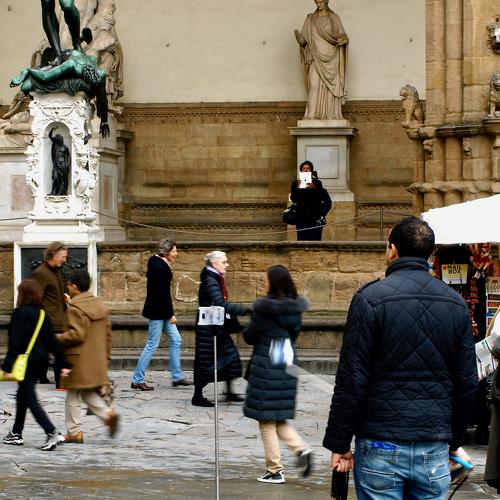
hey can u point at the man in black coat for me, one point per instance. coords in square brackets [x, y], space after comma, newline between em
[158, 308]
[407, 377]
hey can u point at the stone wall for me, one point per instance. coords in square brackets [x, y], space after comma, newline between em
[182, 158]
[326, 273]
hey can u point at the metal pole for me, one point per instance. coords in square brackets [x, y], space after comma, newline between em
[381, 223]
[216, 407]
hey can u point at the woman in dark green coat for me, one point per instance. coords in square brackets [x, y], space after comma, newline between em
[271, 391]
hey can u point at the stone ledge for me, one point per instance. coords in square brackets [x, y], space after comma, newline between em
[368, 246]
[323, 361]
[123, 321]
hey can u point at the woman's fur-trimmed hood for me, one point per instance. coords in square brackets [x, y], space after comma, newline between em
[270, 305]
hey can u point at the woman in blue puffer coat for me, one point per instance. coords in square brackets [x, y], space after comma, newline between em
[271, 391]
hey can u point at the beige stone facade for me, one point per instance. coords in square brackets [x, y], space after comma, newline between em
[460, 145]
[213, 158]
[226, 169]
[214, 155]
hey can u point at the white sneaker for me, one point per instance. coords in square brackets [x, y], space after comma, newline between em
[52, 441]
[269, 477]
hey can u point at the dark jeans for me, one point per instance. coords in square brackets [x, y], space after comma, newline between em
[314, 234]
[26, 398]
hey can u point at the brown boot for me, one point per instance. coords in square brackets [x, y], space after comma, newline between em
[74, 438]
[112, 422]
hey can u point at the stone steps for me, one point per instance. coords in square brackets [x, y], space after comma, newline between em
[318, 346]
[311, 360]
[252, 221]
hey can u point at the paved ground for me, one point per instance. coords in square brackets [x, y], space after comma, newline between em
[166, 449]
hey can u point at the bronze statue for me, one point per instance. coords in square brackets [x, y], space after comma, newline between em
[51, 26]
[79, 72]
[61, 162]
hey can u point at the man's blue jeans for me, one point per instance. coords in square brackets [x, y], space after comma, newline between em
[396, 471]
[156, 327]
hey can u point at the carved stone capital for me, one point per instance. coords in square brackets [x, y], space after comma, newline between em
[428, 145]
[494, 36]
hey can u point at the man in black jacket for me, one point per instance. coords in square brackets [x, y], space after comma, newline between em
[159, 310]
[406, 379]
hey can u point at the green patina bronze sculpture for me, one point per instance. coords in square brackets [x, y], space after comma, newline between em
[51, 25]
[71, 71]
[78, 73]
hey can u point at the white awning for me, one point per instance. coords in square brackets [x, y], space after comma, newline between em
[476, 221]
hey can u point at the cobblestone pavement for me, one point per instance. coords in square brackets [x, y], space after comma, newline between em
[165, 449]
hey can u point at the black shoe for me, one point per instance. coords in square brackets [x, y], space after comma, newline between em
[182, 381]
[15, 439]
[304, 462]
[196, 401]
[235, 398]
[269, 477]
[142, 386]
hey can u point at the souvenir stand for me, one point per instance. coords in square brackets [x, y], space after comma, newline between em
[467, 259]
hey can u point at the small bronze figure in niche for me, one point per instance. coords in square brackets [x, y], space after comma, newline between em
[61, 163]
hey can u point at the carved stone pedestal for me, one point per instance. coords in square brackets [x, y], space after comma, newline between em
[326, 144]
[67, 216]
[15, 196]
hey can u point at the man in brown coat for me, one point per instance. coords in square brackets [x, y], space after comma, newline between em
[87, 346]
[49, 276]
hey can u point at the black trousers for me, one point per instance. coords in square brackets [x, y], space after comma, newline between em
[26, 398]
[57, 372]
[314, 234]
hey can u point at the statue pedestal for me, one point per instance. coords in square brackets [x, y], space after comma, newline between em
[326, 144]
[67, 216]
[83, 214]
[15, 197]
[89, 209]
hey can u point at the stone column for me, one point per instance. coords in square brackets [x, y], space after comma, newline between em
[435, 98]
[454, 95]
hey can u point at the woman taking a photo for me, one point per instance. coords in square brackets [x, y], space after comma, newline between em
[213, 292]
[271, 391]
[313, 204]
[23, 324]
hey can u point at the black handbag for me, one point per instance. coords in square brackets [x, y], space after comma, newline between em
[232, 325]
[340, 485]
[290, 215]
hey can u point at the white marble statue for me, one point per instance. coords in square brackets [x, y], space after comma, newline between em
[107, 48]
[15, 132]
[323, 49]
[15, 124]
